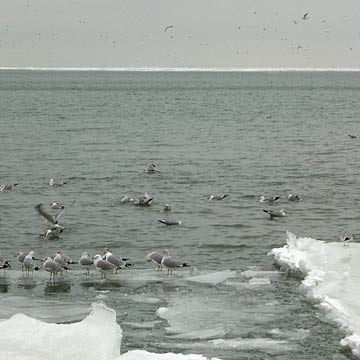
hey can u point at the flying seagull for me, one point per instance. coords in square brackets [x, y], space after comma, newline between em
[306, 16]
[168, 27]
[50, 218]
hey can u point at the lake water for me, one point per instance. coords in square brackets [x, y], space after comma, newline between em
[244, 134]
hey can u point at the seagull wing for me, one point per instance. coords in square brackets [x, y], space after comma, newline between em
[57, 216]
[47, 216]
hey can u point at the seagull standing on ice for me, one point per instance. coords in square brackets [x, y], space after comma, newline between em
[346, 237]
[168, 263]
[156, 258]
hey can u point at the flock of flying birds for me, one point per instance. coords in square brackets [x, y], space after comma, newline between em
[107, 262]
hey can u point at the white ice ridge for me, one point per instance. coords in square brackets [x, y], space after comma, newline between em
[331, 277]
[97, 337]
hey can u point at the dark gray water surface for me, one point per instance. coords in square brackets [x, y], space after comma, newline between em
[243, 134]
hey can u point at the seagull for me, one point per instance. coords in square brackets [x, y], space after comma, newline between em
[4, 264]
[156, 258]
[351, 136]
[127, 200]
[275, 213]
[269, 200]
[63, 260]
[20, 256]
[55, 205]
[52, 182]
[50, 218]
[167, 207]
[53, 233]
[293, 197]
[7, 187]
[86, 262]
[168, 27]
[306, 16]
[119, 263]
[144, 200]
[52, 267]
[29, 263]
[168, 263]
[218, 197]
[103, 266]
[170, 222]
[151, 169]
[346, 237]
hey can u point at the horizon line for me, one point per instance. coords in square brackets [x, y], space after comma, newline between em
[177, 69]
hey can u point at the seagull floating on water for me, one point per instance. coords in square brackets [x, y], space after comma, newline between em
[152, 169]
[170, 222]
[52, 182]
[269, 200]
[7, 187]
[294, 197]
[55, 205]
[145, 200]
[351, 136]
[167, 207]
[218, 197]
[275, 213]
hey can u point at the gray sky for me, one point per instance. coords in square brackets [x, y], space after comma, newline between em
[206, 33]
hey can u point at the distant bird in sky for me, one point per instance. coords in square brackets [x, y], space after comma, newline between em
[168, 27]
[306, 16]
[351, 136]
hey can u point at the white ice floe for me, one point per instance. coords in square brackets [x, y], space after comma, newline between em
[97, 337]
[331, 277]
[212, 278]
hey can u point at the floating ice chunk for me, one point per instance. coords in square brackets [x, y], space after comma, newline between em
[144, 298]
[267, 345]
[144, 355]
[352, 342]
[144, 324]
[205, 334]
[98, 336]
[260, 281]
[213, 278]
[261, 274]
[331, 277]
[296, 334]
